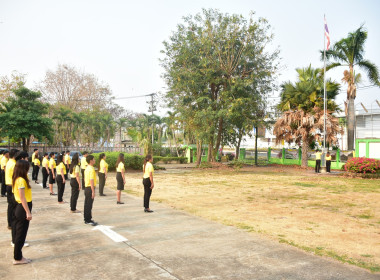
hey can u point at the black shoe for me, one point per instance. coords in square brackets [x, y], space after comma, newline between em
[92, 223]
[53, 194]
[3, 195]
[119, 202]
[102, 194]
[148, 211]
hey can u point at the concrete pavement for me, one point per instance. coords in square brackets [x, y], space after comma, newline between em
[166, 244]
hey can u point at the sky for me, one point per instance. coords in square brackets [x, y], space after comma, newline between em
[120, 41]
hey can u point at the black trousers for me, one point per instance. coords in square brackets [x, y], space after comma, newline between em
[61, 187]
[20, 229]
[33, 172]
[83, 186]
[3, 187]
[45, 177]
[51, 179]
[67, 169]
[102, 182]
[36, 169]
[147, 191]
[74, 193]
[328, 165]
[88, 202]
[11, 205]
[317, 165]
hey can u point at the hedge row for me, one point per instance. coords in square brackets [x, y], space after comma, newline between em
[134, 161]
[362, 165]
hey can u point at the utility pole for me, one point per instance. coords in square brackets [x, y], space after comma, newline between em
[152, 108]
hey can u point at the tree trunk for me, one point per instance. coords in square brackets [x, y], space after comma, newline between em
[210, 151]
[351, 124]
[237, 151]
[305, 148]
[24, 144]
[219, 137]
[199, 152]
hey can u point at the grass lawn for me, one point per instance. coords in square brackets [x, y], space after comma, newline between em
[324, 214]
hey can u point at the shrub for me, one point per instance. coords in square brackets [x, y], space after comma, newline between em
[236, 164]
[362, 165]
[133, 161]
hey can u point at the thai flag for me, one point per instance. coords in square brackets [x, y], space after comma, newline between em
[327, 35]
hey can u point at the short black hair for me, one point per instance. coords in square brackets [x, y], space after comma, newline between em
[1, 152]
[22, 155]
[85, 153]
[5, 152]
[46, 154]
[67, 151]
[13, 153]
[52, 154]
[35, 150]
[89, 158]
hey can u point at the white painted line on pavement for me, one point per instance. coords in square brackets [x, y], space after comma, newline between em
[110, 233]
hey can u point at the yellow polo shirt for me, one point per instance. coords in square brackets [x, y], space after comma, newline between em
[89, 174]
[120, 167]
[45, 163]
[103, 164]
[67, 159]
[328, 157]
[33, 157]
[76, 171]
[9, 171]
[20, 183]
[58, 168]
[83, 163]
[52, 163]
[37, 162]
[4, 161]
[318, 155]
[148, 168]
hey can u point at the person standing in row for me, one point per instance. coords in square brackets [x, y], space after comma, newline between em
[318, 161]
[148, 183]
[36, 167]
[23, 209]
[67, 161]
[328, 162]
[52, 166]
[103, 169]
[61, 181]
[8, 182]
[33, 158]
[3, 188]
[89, 192]
[120, 177]
[75, 183]
[3, 163]
[83, 165]
[45, 170]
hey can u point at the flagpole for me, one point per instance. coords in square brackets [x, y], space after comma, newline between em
[324, 83]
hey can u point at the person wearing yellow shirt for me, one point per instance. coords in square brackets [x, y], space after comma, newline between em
[318, 155]
[89, 192]
[52, 166]
[328, 162]
[23, 209]
[83, 165]
[103, 170]
[36, 168]
[8, 183]
[67, 161]
[2, 189]
[75, 183]
[148, 183]
[3, 163]
[34, 156]
[45, 170]
[120, 177]
[60, 177]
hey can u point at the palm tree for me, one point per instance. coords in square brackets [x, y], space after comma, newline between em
[350, 52]
[302, 104]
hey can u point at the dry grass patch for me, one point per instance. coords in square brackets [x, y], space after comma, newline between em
[328, 215]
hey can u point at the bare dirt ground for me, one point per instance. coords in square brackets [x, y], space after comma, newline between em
[326, 214]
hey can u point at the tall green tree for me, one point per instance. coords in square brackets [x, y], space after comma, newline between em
[23, 116]
[349, 52]
[205, 58]
[302, 106]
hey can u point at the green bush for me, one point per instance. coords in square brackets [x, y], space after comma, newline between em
[133, 161]
[236, 164]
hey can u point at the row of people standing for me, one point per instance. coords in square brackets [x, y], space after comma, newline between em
[318, 156]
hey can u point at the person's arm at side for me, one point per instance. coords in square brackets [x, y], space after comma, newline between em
[151, 180]
[105, 171]
[78, 179]
[25, 204]
[123, 175]
[92, 188]
[62, 174]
